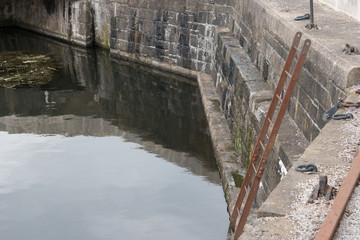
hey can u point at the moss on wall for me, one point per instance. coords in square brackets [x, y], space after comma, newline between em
[105, 36]
[238, 178]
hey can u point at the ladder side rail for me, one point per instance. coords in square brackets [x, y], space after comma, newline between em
[279, 88]
[240, 198]
[264, 129]
[249, 201]
[272, 137]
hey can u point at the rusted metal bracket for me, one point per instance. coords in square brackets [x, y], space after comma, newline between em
[328, 228]
[350, 49]
[329, 113]
[350, 104]
[322, 189]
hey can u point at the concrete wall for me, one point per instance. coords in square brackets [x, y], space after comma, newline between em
[352, 7]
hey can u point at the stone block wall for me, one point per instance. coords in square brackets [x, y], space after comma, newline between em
[177, 32]
[267, 40]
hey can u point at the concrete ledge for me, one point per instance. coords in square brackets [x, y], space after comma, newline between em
[323, 151]
[230, 168]
[154, 63]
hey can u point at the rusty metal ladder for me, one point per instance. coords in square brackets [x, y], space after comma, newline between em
[263, 148]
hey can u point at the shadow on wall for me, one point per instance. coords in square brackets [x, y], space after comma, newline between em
[50, 6]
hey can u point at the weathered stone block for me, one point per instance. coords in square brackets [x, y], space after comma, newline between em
[306, 102]
[125, 9]
[147, 14]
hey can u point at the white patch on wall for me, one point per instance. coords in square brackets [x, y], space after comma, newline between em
[283, 170]
[228, 106]
[218, 79]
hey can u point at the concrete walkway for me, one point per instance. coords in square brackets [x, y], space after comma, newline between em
[335, 29]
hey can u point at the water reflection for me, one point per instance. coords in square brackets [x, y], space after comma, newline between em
[99, 96]
[126, 184]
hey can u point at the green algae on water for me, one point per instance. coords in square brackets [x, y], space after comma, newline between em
[18, 69]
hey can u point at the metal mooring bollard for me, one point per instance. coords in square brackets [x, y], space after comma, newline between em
[322, 189]
[311, 25]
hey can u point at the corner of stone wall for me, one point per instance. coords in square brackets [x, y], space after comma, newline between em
[101, 17]
[82, 23]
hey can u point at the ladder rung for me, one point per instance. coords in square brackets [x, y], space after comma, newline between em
[278, 97]
[246, 194]
[287, 73]
[262, 146]
[271, 123]
[238, 216]
[253, 166]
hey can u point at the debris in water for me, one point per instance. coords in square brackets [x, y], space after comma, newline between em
[18, 69]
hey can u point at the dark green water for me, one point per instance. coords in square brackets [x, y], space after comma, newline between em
[107, 150]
